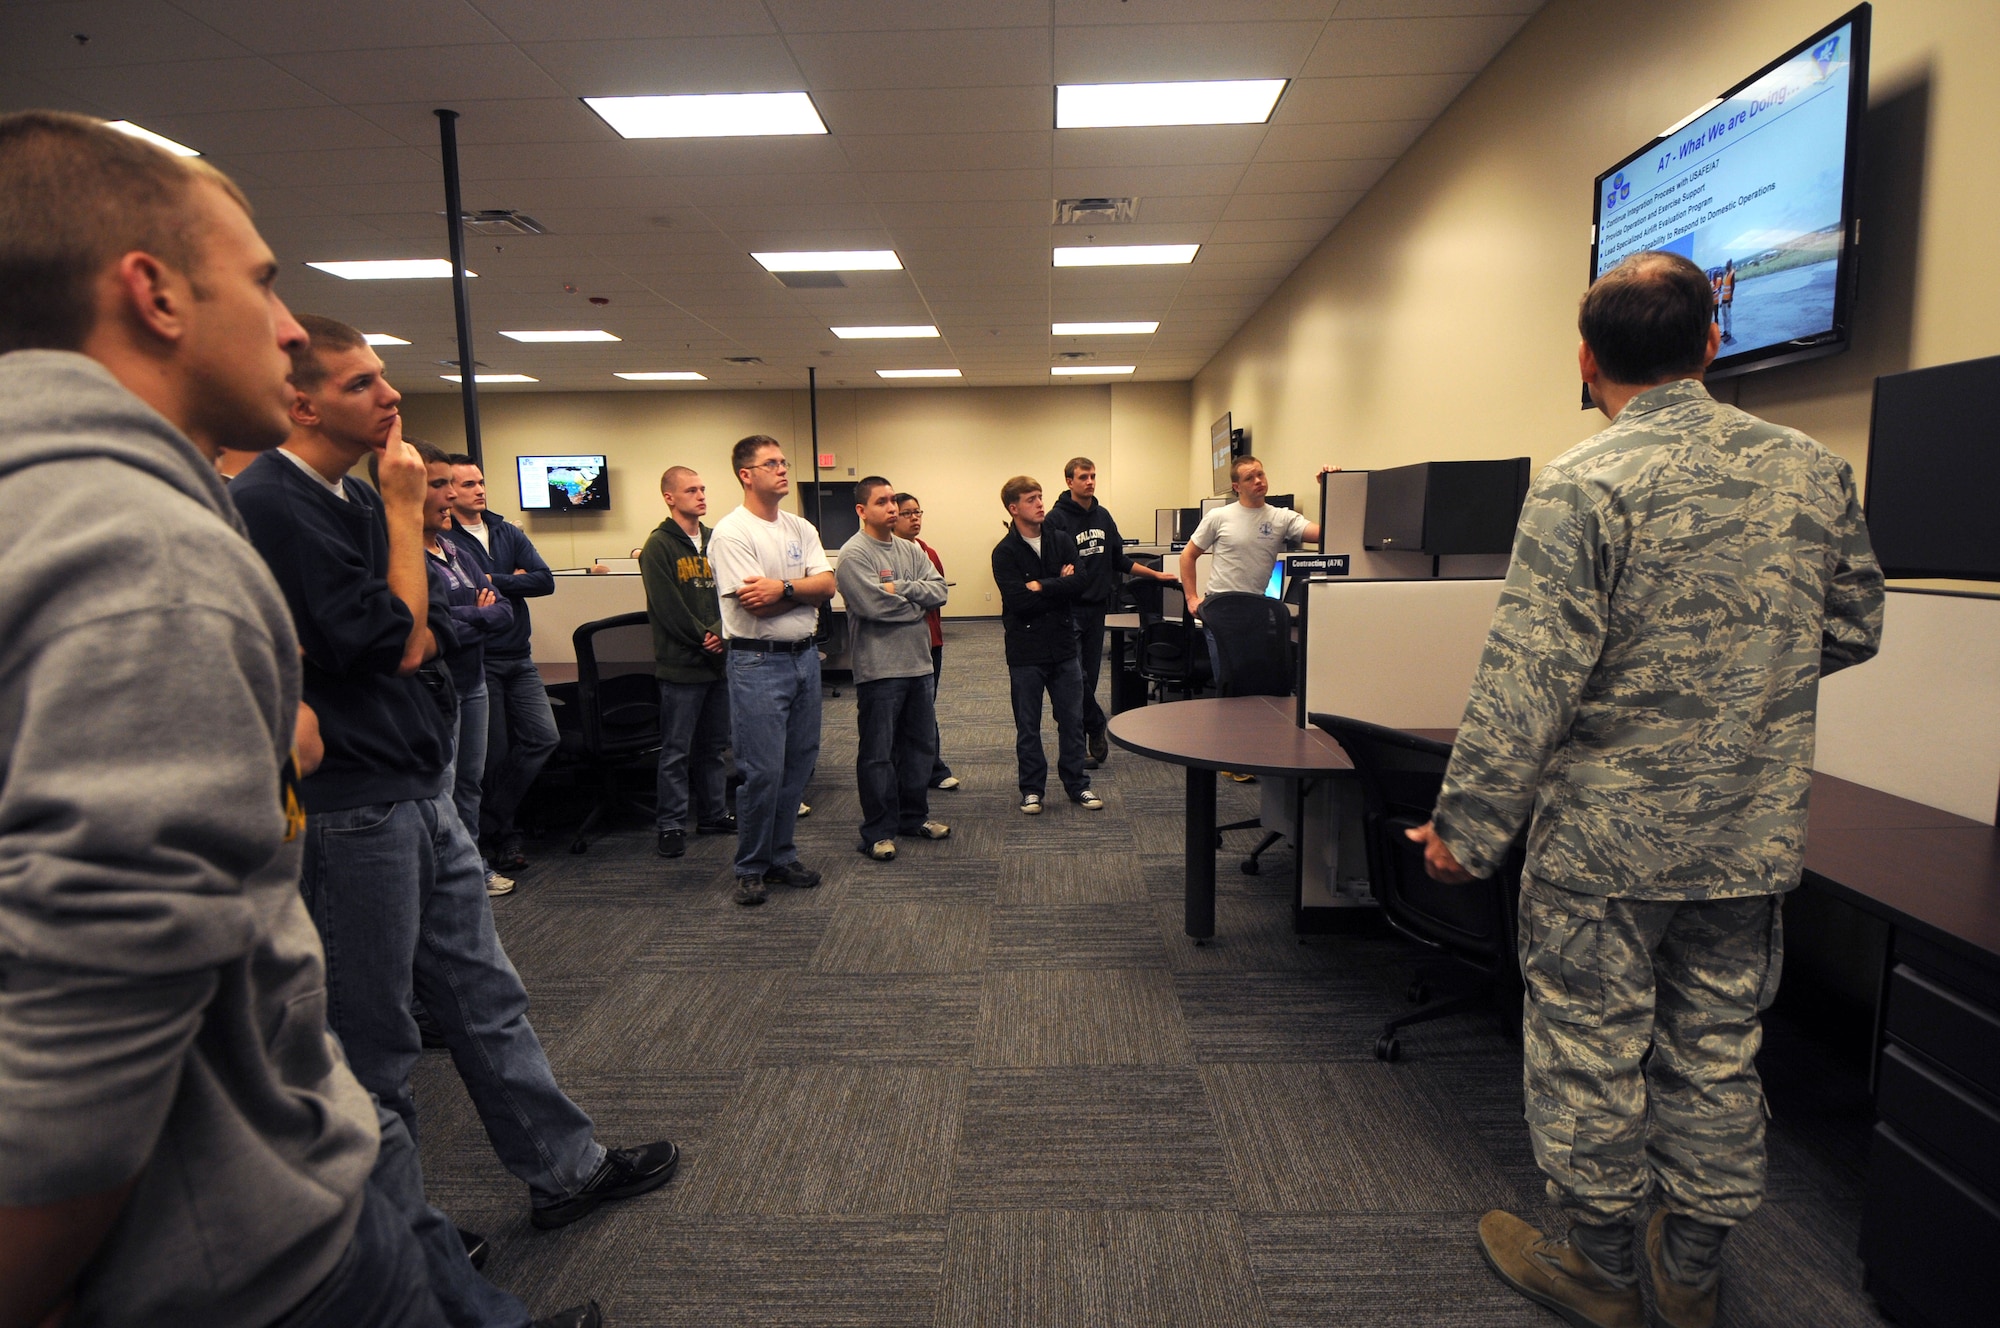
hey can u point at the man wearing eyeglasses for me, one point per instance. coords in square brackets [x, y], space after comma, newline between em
[771, 575]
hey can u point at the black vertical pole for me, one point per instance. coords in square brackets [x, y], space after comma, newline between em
[454, 213]
[812, 410]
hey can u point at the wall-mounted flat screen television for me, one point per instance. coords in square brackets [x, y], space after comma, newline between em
[569, 483]
[1934, 471]
[1758, 189]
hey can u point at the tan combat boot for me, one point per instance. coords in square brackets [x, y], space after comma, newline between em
[1675, 1304]
[1554, 1274]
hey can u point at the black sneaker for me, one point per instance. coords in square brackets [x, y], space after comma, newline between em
[1100, 746]
[795, 874]
[625, 1172]
[724, 825]
[671, 844]
[586, 1315]
[510, 856]
[749, 891]
[476, 1248]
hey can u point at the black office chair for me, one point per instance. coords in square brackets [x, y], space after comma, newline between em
[830, 638]
[1469, 928]
[1253, 643]
[618, 706]
[1171, 652]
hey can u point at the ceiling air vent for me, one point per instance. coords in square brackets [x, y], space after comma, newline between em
[476, 364]
[501, 222]
[1072, 356]
[810, 280]
[1095, 211]
[742, 359]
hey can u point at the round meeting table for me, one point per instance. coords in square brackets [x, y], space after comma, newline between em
[1252, 735]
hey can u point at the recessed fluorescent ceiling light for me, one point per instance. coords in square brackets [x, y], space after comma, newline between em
[832, 260]
[157, 140]
[389, 269]
[1103, 329]
[864, 333]
[710, 115]
[1122, 255]
[917, 373]
[579, 334]
[491, 378]
[1081, 370]
[673, 376]
[382, 339]
[1108, 105]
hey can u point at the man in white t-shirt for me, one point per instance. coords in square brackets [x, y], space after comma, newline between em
[1244, 538]
[771, 576]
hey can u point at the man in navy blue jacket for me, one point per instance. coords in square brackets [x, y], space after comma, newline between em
[520, 727]
[391, 876]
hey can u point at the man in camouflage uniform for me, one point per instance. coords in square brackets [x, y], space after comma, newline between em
[1680, 582]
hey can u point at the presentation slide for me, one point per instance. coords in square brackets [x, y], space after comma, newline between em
[1751, 192]
[563, 483]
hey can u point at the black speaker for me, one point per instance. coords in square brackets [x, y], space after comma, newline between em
[1445, 507]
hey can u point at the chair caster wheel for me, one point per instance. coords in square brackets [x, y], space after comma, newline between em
[1388, 1049]
[1249, 866]
[1417, 994]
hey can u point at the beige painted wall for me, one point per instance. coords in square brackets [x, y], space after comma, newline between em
[1438, 321]
[952, 447]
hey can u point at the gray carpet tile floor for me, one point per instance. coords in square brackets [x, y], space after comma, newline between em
[993, 1083]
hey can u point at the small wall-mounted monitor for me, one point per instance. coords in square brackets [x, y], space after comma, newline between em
[568, 483]
[1221, 451]
[1934, 471]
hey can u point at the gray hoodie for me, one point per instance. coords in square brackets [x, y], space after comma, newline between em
[162, 991]
[890, 637]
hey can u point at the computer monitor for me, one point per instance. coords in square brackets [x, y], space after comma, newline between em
[1275, 587]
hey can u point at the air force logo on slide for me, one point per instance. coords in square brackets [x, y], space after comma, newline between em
[1824, 54]
[1620, 190]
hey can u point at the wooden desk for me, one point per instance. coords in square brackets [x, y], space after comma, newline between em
[1257, 735]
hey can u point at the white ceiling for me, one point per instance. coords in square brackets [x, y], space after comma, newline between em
[941, 148]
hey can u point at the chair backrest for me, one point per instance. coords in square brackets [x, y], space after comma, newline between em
[1253, 644]
[1146, 597]
[615, 687]
[1401, 774]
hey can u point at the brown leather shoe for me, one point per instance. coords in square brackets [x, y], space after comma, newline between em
[1675, 1304]
[1553, 1274]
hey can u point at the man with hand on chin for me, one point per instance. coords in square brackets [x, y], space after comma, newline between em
[1679, 585]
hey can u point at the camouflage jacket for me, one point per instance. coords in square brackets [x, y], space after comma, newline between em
[1679, 584]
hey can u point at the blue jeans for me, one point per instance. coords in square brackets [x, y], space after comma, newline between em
[520, 734]
[694, 733]
[774, 715]
[939, 770]
[382, 1281]
[1063, 681]
[1089, 620]
[398, 893]
[468, 757]
[898, 747]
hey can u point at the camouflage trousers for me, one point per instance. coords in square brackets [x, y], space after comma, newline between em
[1640, 1031]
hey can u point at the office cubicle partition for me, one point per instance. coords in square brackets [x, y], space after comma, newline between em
[1400, 653]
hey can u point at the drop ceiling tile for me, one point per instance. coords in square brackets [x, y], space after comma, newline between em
[797, 16]
[623, 20]
[955, 186]
[1175, 52]
[1161, 210]
[1388, 97]
[758, 190]
[537, 195]
[443, 73]
[976, 212]
[344, 167]
[1432, 8]
[946, 152]
[1270, 251]
[649, 67]
[1147, 180]
[351, 25]
[191, 87]
[517, 120]
[1335, 142]
[1021, 108]
[42, 38]
[1067, 13]
[284, 130]
[1193, 145]
[1294, 230]
[1272, 207]
[1305, 177]
[1409, 46]
[973, 58]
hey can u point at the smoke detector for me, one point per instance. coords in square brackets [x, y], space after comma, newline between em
[1095, 211]
[501, 221]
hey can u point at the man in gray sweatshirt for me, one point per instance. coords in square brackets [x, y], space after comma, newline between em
[181, 1141]
[888, 585]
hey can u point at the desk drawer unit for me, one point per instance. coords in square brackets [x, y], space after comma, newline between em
[1956, 1031]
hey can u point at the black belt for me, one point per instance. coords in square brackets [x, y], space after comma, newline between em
[771, 647]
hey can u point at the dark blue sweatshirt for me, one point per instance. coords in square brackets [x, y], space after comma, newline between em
[458, 579]
[386, 738]
[511, 549]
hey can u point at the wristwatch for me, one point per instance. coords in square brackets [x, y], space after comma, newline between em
[788, 590]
